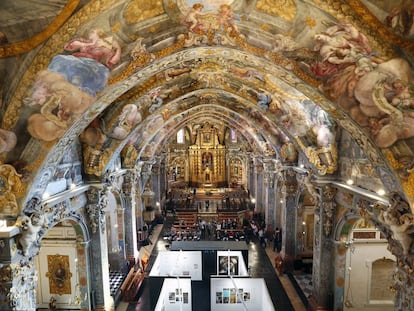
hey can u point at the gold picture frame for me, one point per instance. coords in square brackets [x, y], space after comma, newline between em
[59, 274]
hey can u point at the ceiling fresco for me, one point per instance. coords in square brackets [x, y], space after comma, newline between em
[124, 76]
[13, 40]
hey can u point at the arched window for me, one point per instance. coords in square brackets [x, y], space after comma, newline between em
[180, 136]
[233, 136]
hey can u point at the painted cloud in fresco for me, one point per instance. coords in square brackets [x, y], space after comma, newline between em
[69, 85]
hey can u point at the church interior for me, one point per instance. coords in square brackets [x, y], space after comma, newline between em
[154, 150]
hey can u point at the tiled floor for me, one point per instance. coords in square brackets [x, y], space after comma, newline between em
[305, 283]
[281, 290]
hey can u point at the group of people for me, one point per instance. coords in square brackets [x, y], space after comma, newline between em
[261, 233]
[227, 229]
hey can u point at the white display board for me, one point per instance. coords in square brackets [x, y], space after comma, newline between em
[238, 294]
[231, 263]
[178, 263]
[175, 295]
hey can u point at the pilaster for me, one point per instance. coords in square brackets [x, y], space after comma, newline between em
[269, 194]
[323, 251]
[290, 189]
[129, 190]
[97, 202]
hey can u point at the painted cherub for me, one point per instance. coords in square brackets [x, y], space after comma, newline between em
[226, 18]
[192, 20]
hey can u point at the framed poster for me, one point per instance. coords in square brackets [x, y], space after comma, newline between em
[228, 265]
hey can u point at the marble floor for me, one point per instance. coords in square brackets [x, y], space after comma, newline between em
[283, 292]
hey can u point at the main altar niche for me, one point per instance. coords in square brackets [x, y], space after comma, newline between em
[207, 159]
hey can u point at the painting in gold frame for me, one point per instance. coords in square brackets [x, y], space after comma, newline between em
[59, 274]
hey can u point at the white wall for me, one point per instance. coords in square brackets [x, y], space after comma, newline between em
[360, 261]
[63, 248]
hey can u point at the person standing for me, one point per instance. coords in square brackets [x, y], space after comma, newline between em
[262, 238]
[277, 240]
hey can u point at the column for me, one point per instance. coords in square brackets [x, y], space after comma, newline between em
[323, 251]
[129, 190]
[258, 187]
[290, 191]
[269, 194]
[163, 181]
[84, 270]
[155, 176]
[97, 202]
[143, 174]
[250, 185]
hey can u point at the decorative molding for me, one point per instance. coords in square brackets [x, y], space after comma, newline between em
[97, 202]
[328, 206]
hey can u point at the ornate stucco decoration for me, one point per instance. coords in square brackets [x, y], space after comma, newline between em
[130, 181]
[129, 155]
[328, 209]
[269, 173]
[139, 10]
[32, 224]
[324, 158]
[113, 181]
[285, 9]
[306, 180]
[403, 285]
[24, 281]
[95, 159]
[97, 202]
[144, 170]
[11, 187]
[290, 185]
[398, 218]
[5, 274]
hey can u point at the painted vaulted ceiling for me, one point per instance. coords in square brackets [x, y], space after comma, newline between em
[122, 77]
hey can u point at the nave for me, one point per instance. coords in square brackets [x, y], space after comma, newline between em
[285, 292]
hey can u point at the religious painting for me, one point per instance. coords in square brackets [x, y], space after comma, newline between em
[206, 137]
[59, 274]
[207, 160]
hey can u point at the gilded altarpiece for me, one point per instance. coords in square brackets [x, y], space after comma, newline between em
[207, 159]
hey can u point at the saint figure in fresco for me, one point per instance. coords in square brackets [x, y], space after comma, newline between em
[88, 65]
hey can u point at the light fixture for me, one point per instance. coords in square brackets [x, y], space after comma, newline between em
[350, 182]
[381, 192]
[253, 200]
[45, 196]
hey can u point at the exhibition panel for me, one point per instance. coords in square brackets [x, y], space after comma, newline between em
[235, 293]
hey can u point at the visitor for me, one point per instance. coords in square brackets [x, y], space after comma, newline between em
[262, 238]
[277, 240]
